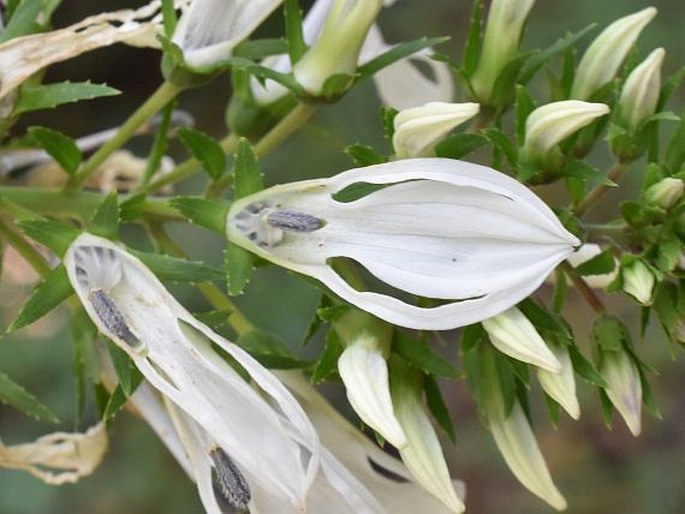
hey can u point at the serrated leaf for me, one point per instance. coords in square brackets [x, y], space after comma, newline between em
[239, 266]
[459, 145]
[45, 297]
[419, 355]
[175, 269]
[15, 395]
[53, 234]
[59, 146]
[293, 30]
[248, 175]
[438, 408]
[600, 264]
[269, 350]
[396, 53]
[473, 40]
[364, 155]
[49, 96]
[206, 150]
[105, 221]
[328, 363]
[203, 212]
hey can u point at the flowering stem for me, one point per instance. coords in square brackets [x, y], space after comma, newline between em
[593, 196]
[583, 289]
[25, 249]
[164, 94]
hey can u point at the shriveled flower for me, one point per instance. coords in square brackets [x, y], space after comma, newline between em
[604, 56]
[440, 228]
[624, 387]
[640, 93]
[419, 129]
[262, 428]
[208, 30]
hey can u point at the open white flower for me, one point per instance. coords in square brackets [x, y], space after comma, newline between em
[262, 428]
[439, 228]
[208, 30]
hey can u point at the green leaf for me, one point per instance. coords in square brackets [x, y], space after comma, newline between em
[262, 73]
[175, 269]
[239, 266]
[15, 395]
[122, 366]
[471, 337]
[105, 221]
[610, 334]
[396, 53]
[84, 357]
[335, 86]
[675, 152]
[248, 175]
[364, 155]
[23, 20]
[269, 350]
[388, 118]
[505, 86]
[60, 147]
[524, 106]
[293, 30]
[49, 96]
[206, 150]
[419, 355]
[473, 41]
[45, 297]
[328, 363]
[119, 396]
[459, 145]
[438, 408]
[53, 234]
[502, 143]
[600, 264]
[258, 49]
[203, 212]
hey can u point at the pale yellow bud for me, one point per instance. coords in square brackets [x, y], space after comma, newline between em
[641, 91]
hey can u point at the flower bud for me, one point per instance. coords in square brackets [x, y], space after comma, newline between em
[641, 90]
[512, 334]
[500, 44]
[638, 281]
[665, 193]
[419, 129]
[561, 387]
[550, 124]
[338, 46]
[624, 388]
[603, 58]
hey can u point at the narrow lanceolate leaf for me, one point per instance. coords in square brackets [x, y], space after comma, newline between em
[46, 296]
[248, 175]
[438, 408]
[105, 221]
[206, 150]
[49, 96]
[459, 145]
[53, 234]
[23, 20]
[422, 357]
[175, 269]
[15, 395]
[293, 30]
[328, 363]
[396, 53]
[473, 42]
[208, 214]
[60, 147]
[239, 264]
[269, 350]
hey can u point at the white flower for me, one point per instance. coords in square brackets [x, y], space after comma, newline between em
[419, 129]
[208, 30]
[624, 387]
[512, 334]
[550, 124]
[262, 428]
[500, 44]
[640, 93]
[561, 387]
[603, 58]
[638, 281]
[441, 228]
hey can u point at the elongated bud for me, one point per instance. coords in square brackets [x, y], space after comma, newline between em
[419, 129]
[337, 49]
[422, 454]
[561, 387]
[603, 58]
[501, 42]
[512, 334]
[550, 124]
[638, 281]
[624, 388]
[641, 91]
[665, 193]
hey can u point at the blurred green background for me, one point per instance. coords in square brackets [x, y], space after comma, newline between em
[600, 471]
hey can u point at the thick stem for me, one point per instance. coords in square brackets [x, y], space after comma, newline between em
[583, 289]
[164, 94]
[593, 196]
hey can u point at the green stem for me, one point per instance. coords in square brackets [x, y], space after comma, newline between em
[164, 94]
[25, 249]
[294, 120]
[593, 196]
[601, 230]
[583, 289]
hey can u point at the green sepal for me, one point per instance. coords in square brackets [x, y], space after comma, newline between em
[119, 398]
[600, 264]
[59, 146]
[53, 234]
[16, 396]
[49, 96]
[388, 119]
[293, 30]
[206, 150]
[176, 269]
[459, 145]
[258, 49]
[328, 363]
[364, 155]
[397, 53]
[419, 355]
[438, 408]
[105, 221]
[248, 175]
[45, 297]
[473, 40]
[203, 212]
[123, 366]
[239, 265]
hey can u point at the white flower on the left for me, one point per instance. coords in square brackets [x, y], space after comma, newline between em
[209, 29]
[261, 426]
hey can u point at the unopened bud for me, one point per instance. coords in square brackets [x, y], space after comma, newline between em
[624, 388]
[419, 129]
[665, 193]
[561, 387]
[603, 58]
[641, 91]
[638, 281]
